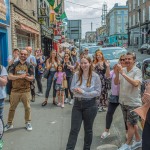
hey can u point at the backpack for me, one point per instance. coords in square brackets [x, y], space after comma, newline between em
[9, 83]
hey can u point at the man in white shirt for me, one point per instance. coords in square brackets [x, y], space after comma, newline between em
[130, 79]
[3, 82]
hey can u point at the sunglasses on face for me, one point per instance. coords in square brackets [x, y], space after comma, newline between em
[22, 54]
[122, 59]
[86, 50]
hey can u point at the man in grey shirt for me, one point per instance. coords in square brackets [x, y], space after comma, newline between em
[130, 79]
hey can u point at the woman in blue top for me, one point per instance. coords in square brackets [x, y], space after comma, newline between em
[86, 86]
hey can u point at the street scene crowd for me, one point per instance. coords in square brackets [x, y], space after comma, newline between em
[87, 83]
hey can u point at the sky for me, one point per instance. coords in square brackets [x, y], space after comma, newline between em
[75, 11]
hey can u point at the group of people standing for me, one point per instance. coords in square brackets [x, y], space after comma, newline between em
[87, 84]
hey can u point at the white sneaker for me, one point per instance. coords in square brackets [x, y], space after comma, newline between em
[101, 109]
[62, 106]
[40, 94]
[71, 102]
[105, 135]
[59, 104]
[136, 145]
[28, 126]
[66, 100]
[125, 147]
[8, 127]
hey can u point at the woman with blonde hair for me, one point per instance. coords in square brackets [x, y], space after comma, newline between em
[51, 65]
[86, 86]
[101, 67]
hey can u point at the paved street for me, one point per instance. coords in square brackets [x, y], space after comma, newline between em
[51, 126]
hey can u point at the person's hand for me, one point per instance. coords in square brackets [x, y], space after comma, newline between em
[107, 63]
[22, 76]
[146, 98]
[78, 90]
[116, 69]
[120, 69]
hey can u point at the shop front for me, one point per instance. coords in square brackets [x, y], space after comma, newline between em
[46, 40]
[4, 25]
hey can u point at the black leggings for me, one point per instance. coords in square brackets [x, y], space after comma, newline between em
[146, 133]
[69, 79]
[109, 116]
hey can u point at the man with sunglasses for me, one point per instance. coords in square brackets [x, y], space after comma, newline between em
[21, 73]
[130, 79]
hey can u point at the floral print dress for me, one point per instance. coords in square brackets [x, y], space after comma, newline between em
[101, 70]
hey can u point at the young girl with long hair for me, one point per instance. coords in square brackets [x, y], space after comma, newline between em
[51, 65]
[86, 86]
[60, 76]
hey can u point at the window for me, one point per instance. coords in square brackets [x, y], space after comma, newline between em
[143, 1]
[143, 14]
[22, 41]
[138, 2]
[119, 28]
[119, 19]
[129, 21]
[137, 17]
[133, 23]
[134, 4]
[129, 6]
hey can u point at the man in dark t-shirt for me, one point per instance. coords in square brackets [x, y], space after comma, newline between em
[21, 73]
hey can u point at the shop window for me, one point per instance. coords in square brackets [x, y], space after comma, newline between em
[22, 42]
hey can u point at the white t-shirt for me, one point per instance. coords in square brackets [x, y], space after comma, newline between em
[2, 88]
[129, 94]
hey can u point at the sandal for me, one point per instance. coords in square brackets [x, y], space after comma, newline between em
[55, 103]
[44, 103]
[105, 135]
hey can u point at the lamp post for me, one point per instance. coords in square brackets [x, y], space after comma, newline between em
[139, 11]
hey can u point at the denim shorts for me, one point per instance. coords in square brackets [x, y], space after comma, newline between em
[129, 115]
[58, 87]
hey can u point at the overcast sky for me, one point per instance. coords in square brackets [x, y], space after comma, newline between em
[74, 11]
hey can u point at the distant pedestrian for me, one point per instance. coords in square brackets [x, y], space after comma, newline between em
[21, 73]
[86, 86]
[60, 76]
[60, 54]
[74, 54]
[32, 60]
[39, 69]
[130, 79]
[3, 82]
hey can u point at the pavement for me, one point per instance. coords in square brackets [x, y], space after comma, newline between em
[51, 127]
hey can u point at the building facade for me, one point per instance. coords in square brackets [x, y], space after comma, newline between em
[139, 22]
[90, 36]
[4, 30]
[25, 27]
[116, 25]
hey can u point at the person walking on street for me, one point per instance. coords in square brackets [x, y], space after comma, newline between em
[60, 76]
[130, 79]
[3, 82]
[113, 99]
[86, 86]
[39, 69]
[51, 65]
[21, 73]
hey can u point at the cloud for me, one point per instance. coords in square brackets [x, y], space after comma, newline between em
[81, 12]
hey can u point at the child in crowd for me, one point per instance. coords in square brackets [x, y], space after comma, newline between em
[60, 76]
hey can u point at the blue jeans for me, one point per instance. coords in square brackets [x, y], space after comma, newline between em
[86, 111]
[49, 84]
[69, 80]
[1, 108]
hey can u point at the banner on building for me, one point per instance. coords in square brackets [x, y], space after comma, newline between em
[5, 12]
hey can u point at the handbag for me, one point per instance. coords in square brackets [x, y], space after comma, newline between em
[64, 84]
[113, 99]
[46, 73]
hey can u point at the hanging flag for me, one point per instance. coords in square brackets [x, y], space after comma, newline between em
[63, 15]
[56, 9]
[51, 2]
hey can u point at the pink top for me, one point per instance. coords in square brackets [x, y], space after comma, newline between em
[114, 88]
[59, 76]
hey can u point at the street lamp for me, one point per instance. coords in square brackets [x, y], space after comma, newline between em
[139, 11]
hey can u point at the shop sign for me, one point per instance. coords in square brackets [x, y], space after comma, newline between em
[5, 12]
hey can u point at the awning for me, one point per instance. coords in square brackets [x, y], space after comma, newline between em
[28, 29]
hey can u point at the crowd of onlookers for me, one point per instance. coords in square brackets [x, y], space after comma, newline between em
[63, 70]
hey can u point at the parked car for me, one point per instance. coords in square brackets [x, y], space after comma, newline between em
[110, 53]
[145, 48]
